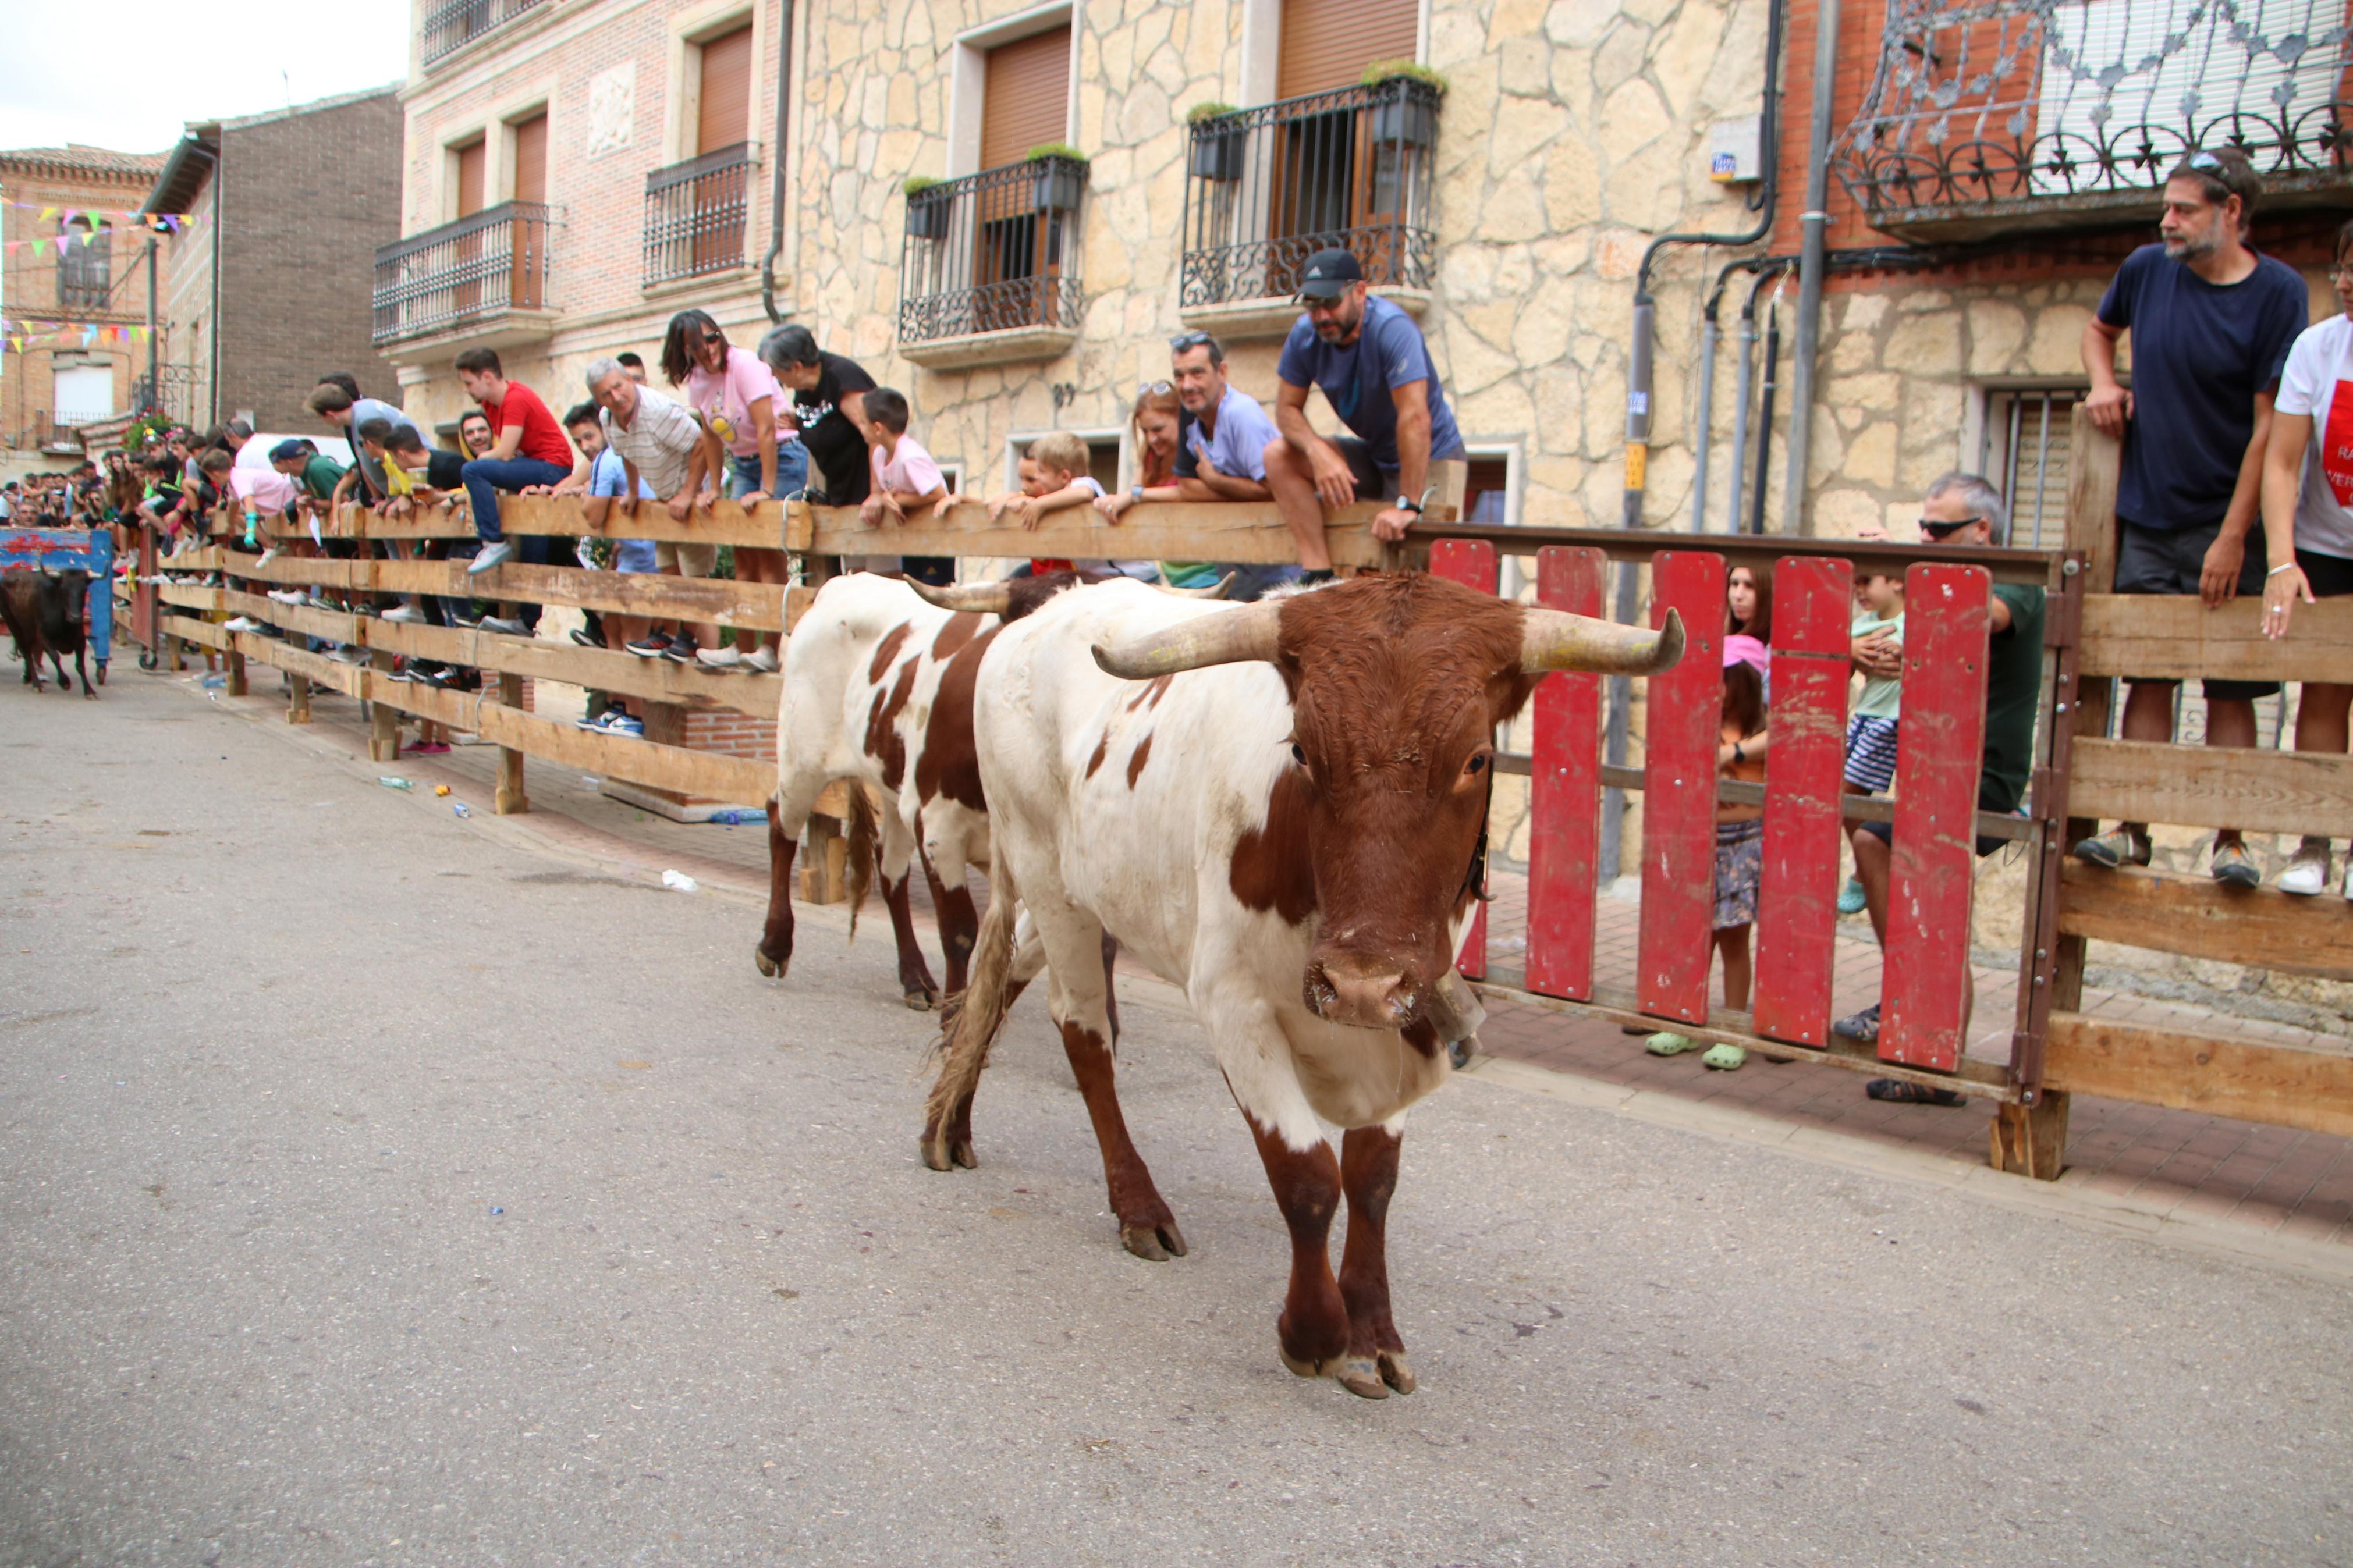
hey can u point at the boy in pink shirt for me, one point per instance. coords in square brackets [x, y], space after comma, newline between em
[906, 479]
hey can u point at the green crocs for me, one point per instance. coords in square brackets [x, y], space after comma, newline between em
[1724, 1059]
[1667, 1044]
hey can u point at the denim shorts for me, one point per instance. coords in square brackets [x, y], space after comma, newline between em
[792, 471]
[633, 555]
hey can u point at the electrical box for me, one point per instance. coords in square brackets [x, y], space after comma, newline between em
[1735, 150]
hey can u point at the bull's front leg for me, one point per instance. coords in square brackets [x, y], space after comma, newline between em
[1369, 1170]
[1313, 1332]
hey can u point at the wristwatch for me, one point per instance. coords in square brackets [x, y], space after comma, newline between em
[1135, 492]
[1407, 503]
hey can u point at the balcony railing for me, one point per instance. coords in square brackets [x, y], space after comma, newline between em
[993, 252]
[480, 267]
[694, 214]
[456, 23]
[1984, 112]
[1268, 188]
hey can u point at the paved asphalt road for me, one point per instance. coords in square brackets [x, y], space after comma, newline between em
[374, 1190]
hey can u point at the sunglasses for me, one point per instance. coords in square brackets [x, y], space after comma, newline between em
[1942, 530]
[1152, 388]
[1183, 341]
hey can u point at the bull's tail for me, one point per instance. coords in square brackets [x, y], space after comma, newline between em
[969, 1021]
[865, 830]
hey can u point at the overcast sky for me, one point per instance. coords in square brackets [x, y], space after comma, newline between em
[128, 74]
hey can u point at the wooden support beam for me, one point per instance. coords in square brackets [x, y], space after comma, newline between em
[1250, 533]
[754, 605]
[511, 797]
[2031, 1140]
[2172, 639]
[2281, 1085]
[2213, 786]
[2197, 918]
[600, 670]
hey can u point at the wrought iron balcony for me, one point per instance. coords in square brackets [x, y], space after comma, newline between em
[456, 23]
[1989, 116]
[1268, 188]
[463, 276]
[995, 252]
[694, 214]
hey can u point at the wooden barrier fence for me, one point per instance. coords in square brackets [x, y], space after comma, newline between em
[2090, 634]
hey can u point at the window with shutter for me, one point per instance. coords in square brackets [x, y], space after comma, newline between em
[1025, 97]
[2026, 451]
[724, 117]
[530, 159]
[1327, 44]
[471, 164]
[525, 233]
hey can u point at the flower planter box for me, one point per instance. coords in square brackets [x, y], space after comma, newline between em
[928, 215]
[1217, 154]
[1058, 183]
[1401, 114]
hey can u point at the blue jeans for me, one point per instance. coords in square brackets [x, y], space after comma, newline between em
[792, 472]
[485, 477]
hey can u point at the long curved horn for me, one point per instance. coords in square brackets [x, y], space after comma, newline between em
[986, 598]
[1236, 637]
[1554, 639]
[1216, 590]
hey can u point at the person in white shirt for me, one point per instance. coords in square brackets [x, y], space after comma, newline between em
[2307, 501]
[907, 482]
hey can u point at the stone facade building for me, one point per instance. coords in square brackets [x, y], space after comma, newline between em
[75, 296]
[266, 287]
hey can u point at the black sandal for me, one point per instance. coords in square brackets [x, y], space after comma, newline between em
[1903, 1091]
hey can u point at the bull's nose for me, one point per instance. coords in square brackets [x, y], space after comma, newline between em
[1372, 998]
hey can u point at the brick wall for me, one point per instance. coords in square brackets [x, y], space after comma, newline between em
[306, 198]
[729, 733]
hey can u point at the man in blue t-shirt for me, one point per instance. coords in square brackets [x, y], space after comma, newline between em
[1374, 369]
[2211, 323]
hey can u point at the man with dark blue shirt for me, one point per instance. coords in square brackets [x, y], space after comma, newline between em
[1374, 369]
[2211, 323]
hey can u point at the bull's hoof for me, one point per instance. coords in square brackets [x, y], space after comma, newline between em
[921, 998]
[1361, 1377]
[943, 1151]
[1153, 1243]
[1397, 1371]
[772, 967]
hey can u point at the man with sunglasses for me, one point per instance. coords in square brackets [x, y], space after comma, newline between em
[1961, 509]
[1369, 358]
[2211, 323]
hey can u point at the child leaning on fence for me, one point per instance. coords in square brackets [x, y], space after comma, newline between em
[1739, 838]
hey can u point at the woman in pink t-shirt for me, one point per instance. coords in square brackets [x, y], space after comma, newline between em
[738, 399]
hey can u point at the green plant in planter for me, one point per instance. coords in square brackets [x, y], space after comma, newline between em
[1201, 111]
[1380, 71]
[918, 183]
[1215, 153]
[1062, 173]
[1400, 115]
[927, 216]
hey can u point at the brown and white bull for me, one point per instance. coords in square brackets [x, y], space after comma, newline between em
[1274, 806]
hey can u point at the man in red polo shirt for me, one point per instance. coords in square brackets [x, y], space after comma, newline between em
[527, 448]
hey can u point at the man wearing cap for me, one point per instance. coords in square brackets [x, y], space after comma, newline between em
[2211, 323]
[1369, 358]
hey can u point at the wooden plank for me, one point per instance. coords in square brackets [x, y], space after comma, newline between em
[188, 596]
[1247, 531]
[2281, 1085]
[761, 605]
[1676, 940]
[2194, 917]
[207, 633]
[315, 669]
[2094, 463]
[2211, 786]
[600, 670]
[649, 762]
[310, 571]
[1932, 870]
[1797, 897]
[1472, 564]
[332, 624]
[1565, 793]
[2172, 639]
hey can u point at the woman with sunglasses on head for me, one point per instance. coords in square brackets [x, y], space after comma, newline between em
[1162, 458]
[2307, 532]
[739, 400]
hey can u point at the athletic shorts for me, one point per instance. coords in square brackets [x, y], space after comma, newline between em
[1871, 752]
[2153, 561]
[2331, 576]
[639, 555]
[692, 560]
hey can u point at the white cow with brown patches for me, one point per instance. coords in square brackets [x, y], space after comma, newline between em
[1275, 807]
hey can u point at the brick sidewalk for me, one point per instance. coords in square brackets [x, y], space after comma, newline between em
[2169, 1162]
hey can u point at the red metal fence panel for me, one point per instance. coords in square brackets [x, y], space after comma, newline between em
[1471, 562]
[1939, 741]
[1797, 900]
[1685, 711]
[1565, 793]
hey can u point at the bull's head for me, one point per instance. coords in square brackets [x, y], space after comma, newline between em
[1397, 682]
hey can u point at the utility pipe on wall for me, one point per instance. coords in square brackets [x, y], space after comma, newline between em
[776, 188]
[1811, 224]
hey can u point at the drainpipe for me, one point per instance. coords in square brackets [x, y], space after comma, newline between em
[1638, 420]
[1765, 409]
[1811, 223]
[154, 378]
[1743, 382]
[776, 190]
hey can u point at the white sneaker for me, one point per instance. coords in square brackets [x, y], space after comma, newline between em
[406, 614]
[247, 624]
[2307, 874]
[268, 557]
[347, 654]
[762, 658]
[287, 595]
[720, 657]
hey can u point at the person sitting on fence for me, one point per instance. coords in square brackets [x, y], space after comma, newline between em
[528, 449]
[2211, 323]
[737, 399]
[1369, 358]
[2308, 529]
[376, 444]
[1741, 743]
[474, 432]
[1871, 722]
[1963, 510]
[663, 449]
[1054, 478]
[906, 482]
[609, 481]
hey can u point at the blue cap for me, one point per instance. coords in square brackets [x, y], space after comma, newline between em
[286, 450]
